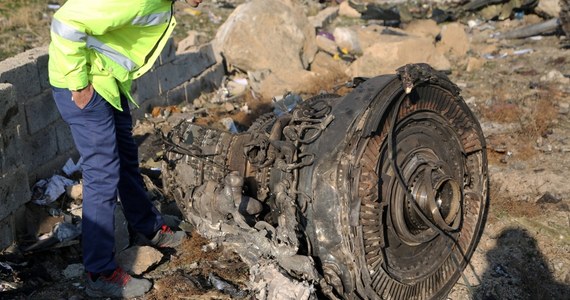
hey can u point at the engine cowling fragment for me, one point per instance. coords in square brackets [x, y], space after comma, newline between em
[381, 193]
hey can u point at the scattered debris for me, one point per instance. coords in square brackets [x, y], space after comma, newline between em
[74, 271]
[46, 191]
[285, 103]
[226, 287]
[548, 198]
[545, 27]
[70, 168]
[270, 283]
[524, 183]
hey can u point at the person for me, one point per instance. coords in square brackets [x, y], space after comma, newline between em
[97, 49]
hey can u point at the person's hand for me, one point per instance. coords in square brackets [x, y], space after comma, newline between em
[193, 3]
[83, 96]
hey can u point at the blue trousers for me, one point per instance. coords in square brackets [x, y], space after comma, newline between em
[103, 137]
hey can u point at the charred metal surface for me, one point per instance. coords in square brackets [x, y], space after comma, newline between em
[380, 194]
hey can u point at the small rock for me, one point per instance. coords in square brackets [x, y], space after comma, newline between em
[474, 64]
[567, 278]
[539, 142]
[345, 10]
[555, 76]
[548, 198]
[73, 271]
[546, 148]
[228, 107]
[193, 39]
[490, 244]
[137, 260]
[564, 108]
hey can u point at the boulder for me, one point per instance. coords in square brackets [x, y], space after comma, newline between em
[271, 84]
[325, 66]
[372, 34]
[548, 8]
[385, 57]
[454, 41]
[269, 36]
[193, 39]
[423, 28]
[325, 17]
[326, 44]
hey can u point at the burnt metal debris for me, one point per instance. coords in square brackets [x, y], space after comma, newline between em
[381, 193]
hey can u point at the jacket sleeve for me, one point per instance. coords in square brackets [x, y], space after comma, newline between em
[78, 20]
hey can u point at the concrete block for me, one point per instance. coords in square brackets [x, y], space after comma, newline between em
[65, 142]
[176, 95]
[20, 222]
[40, 148]
[206, 82]
[6, 232]
[14, 191]
[193, 89]
[11, 150]
[214, 76]
[168, 54]
[185, 67]
[22, 71]
[48, 168]
[10, 114]
[41, 111]
[43, 71]
[146, 87]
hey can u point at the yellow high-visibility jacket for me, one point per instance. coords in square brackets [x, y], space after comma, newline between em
[108, 43]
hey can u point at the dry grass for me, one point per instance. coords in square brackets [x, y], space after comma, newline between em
[543, 112]
[534, 114]
[24, 25]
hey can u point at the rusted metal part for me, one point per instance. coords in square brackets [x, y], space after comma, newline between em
[381, 193]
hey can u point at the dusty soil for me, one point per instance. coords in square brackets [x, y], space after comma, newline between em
[524, 252]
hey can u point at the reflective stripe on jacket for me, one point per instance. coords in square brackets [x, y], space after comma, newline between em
[108, 43]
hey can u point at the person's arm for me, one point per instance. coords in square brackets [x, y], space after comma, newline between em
[71, 26]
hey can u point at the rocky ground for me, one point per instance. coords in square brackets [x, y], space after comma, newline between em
[519, 90]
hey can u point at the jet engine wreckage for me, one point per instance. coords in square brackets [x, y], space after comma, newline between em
[378, 194]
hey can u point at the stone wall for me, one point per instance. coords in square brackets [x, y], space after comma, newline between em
[34, 140]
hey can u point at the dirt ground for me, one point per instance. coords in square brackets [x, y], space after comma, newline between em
[519, 90]
[524, 252]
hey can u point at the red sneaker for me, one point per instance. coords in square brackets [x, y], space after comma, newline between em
[166, 238]
[118, 285]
